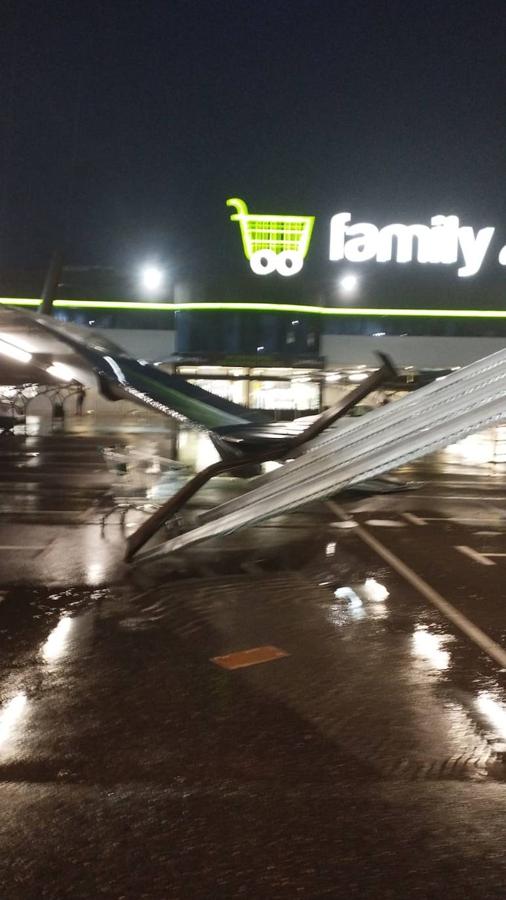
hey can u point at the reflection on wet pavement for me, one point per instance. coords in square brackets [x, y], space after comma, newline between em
[428, 647]
[10, 715]
[369, 759]
[494, 709]
[375, 591]
[56, 644]
[386, 713]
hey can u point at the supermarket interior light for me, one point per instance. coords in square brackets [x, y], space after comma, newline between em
[357, 376]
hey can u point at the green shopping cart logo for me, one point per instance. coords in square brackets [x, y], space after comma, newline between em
[273, 243]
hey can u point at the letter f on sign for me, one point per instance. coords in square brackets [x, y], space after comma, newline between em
[337, 235]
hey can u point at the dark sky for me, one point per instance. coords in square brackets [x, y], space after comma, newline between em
[126, 125]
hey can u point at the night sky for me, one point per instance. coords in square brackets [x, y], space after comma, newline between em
[125, 126]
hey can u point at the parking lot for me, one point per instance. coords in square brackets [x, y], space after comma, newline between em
[278, 713]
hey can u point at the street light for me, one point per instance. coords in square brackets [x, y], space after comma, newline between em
[348, 284]
[152, 278]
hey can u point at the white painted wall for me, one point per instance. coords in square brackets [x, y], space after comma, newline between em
[420, 352]
[150, 344]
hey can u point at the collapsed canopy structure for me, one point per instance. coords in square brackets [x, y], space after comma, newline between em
[464, 402]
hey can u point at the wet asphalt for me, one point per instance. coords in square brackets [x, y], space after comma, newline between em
[367, 761]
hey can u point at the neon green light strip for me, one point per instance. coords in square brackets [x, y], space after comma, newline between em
[265, 307]
[17, 301]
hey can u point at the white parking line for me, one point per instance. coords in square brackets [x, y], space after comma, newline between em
[385, 523]
[482, 640]
[475, 520]
[38, 512]
[21, 547]
[474, 497]
[474, 554]
[415, 520]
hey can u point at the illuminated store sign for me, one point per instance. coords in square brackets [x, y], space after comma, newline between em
[445, 241]
[274, 243]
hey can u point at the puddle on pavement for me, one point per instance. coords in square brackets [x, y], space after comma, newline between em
[43, 634]
[65, 634]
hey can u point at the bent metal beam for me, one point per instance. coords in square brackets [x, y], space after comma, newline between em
[433, 417]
